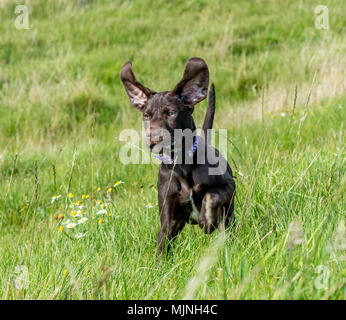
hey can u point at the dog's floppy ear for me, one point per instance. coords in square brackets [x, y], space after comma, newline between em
[137, 93]
[193, 87]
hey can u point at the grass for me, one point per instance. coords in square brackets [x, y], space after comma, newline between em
[62, 108]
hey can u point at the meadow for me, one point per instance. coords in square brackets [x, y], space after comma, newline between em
[76, 223]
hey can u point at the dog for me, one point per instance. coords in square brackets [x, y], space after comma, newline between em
[187, 192]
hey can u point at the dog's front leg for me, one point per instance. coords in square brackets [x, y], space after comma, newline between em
[161, 238]
[170, 226]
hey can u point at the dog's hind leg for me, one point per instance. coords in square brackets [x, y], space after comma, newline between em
[217, 207]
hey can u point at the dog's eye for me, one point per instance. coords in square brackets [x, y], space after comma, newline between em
[171, 113]
[146, 116]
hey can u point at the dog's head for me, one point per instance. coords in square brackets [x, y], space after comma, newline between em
[163, 112]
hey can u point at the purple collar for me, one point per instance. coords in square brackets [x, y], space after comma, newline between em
[168, 159]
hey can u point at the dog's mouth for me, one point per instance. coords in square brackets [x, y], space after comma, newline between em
[160, 149]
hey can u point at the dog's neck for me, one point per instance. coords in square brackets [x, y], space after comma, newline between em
[179, 157]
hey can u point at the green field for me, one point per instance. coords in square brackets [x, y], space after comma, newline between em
[280, 93]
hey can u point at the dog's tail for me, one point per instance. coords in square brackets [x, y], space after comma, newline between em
[209, 116]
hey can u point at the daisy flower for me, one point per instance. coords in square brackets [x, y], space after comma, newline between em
[54, 198]
[149, 205]
[82, 220]
[103, 211]
[79, 213]
[118, 183]
[66, 222]
[71, 225]
[79, 235]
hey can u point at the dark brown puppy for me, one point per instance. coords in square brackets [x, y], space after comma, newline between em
[187, 192]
